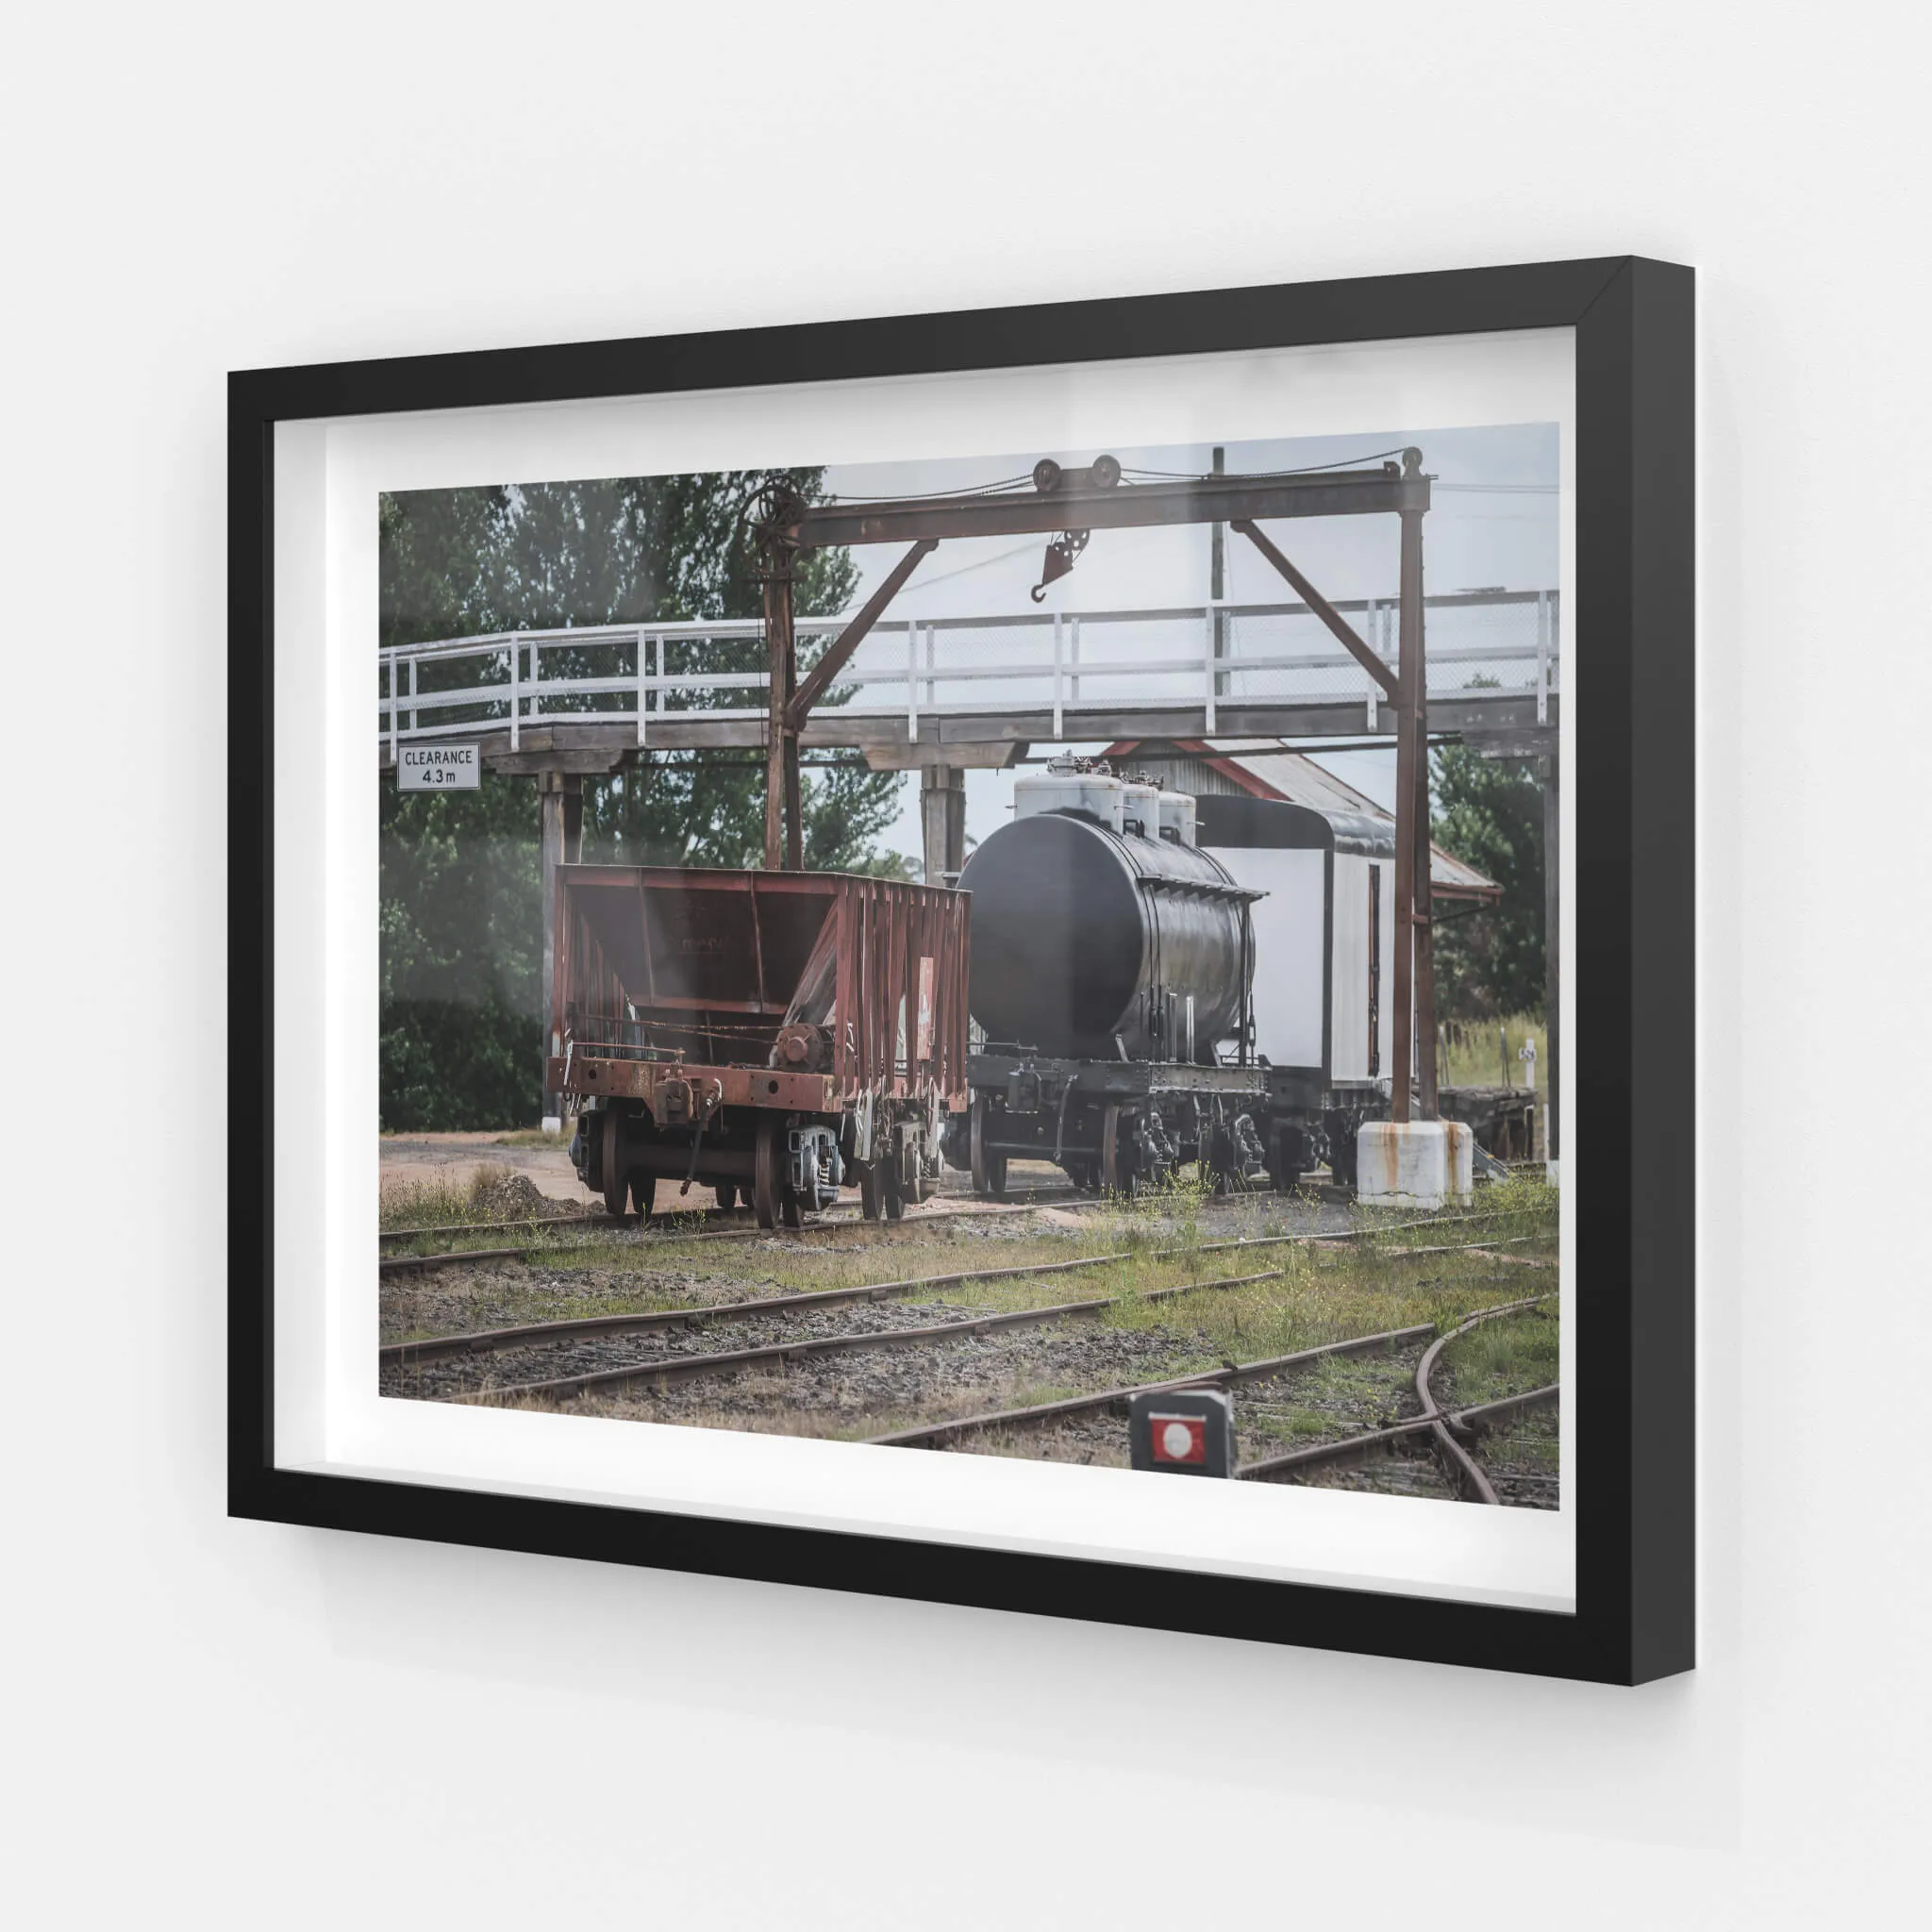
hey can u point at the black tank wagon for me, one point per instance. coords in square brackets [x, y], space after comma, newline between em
[770, 1035]
[1112, 959]
[1162, 979]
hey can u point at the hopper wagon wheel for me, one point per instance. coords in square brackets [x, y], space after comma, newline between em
[767, 1184]
[988, 1169]
[727, 1195]
[615, 1179]
[1116, 1160]
[872, 1190]
[643, 1190]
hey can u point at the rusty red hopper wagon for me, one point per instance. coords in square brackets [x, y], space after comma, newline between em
[771, 1035]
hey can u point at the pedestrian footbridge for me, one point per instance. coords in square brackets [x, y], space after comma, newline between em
[976, 690]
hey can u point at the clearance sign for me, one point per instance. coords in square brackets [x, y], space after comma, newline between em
[438, 768]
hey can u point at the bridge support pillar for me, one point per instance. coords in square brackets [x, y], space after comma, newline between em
[943, 818]
[560, 800]
[1552, 978]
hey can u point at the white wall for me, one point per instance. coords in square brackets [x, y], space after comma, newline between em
[234, 1724]
[1289, 926]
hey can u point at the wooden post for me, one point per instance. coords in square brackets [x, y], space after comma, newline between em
[943, 820]
[560, 805]
[781, 747]
[1553, 978]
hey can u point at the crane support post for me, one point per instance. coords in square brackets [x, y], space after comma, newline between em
[778, 735]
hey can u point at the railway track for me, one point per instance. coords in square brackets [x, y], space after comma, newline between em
[668, 1370]
[607, 1224]
[1231, 1374]
[1448, 1428]
[600, 1223]
[1449, 1432]
[734, 1221]
[432, 1349]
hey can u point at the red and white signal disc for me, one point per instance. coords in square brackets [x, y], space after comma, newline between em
[1178, 1437]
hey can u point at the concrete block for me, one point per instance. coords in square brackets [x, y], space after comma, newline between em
[1404, 1165]
[1460, 1161]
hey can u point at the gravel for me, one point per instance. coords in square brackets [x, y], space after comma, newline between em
[593, 1354]
[875, 1391]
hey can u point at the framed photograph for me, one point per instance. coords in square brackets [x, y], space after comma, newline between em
[854, 945]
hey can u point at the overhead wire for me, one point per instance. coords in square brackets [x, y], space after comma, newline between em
[1264, 476]
[930, 496]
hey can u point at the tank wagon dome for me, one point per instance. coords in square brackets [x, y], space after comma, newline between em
[1090, 934]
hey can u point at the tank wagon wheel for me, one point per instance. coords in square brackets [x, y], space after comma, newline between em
[611, 1164]
[1219, 1165]
[988, 1169]
[767, 1186]
[1116, 1172]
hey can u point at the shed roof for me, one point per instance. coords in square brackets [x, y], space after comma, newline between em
[1269, 769]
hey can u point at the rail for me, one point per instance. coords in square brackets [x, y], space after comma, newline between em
[670, 680]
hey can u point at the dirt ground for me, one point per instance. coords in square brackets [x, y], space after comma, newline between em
[456, 1158]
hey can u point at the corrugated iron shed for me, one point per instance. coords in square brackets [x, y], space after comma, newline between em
[1269, 769]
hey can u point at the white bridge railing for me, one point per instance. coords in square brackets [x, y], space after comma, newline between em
[658, 676]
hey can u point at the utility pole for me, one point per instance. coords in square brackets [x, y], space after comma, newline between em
[1217, 581]
[1415, 963]
[1424, 847]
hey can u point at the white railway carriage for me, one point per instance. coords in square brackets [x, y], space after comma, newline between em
[1324, 856]
[1323, 952]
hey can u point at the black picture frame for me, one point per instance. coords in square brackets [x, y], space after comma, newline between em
[1634, 962]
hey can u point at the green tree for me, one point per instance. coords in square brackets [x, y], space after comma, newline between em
[460, 953]
[461, 884]
[1491, 812]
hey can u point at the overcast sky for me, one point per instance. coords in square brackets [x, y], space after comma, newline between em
[1493, 523]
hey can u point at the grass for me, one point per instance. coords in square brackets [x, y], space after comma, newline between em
[1306, 1296]
[1319, 1298]
[1339, 1395]
[439, 1203]
[1502, 1357]
[425, 1204]
[668, 1272]
[1472, 1055]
